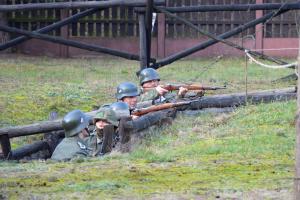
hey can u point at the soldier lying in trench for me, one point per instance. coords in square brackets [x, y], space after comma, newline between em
[152, 90]
[74, 144]
[106, 135]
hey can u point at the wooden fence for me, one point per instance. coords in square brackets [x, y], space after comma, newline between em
[121, 22]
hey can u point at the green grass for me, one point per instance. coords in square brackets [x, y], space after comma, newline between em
[227, 155]
[35, 86]
[195, 157]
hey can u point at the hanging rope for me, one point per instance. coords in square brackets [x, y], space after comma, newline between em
[269, 66]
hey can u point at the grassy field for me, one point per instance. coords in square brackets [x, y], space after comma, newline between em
[246, 154]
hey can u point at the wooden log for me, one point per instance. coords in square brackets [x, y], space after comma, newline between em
[37, 128]
[124, 130]
[235, 7]
[49, 28]
[5, 145]
[72, 43]
[143, 41]
[291, 77]
[172, 58]
[148, 24]
[29, 149]
[79, 4]
[212, 36]
[108, 133]
[148, 120]
[53, 138]
[238, 99]
[219, 101]
[3, 21]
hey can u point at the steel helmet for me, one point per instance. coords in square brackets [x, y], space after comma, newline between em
[107, 114]
[148, 74]
[127, 89]
[74, 122]
[121, 109]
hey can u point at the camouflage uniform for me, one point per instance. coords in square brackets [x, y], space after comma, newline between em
[154, 96]
[150, 74]
[111, 114]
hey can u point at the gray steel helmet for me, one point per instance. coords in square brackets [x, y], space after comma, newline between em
[107, 114]
[74, 122]
[121, 109]
[148, 74]
[127, 89]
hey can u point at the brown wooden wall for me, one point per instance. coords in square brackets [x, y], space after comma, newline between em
[118, 28]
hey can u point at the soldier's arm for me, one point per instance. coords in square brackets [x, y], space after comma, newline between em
[150, 95]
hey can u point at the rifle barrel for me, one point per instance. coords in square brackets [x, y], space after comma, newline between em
[143, 111]
[171, 87]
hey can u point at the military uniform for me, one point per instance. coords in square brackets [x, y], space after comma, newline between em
[95, 142]
[112, 115]
[71, 147]
[155, 97]
[152, 94]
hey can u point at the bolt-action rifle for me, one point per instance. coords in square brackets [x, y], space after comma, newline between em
[143, 111]
[172, 87]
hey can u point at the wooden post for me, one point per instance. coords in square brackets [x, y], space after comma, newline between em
[149, 12]
[124, 130]
[3, 21]
[108, 133]
[5, 145]
[297, 175]
[64, 33]
[143, 41]
[124, 133]
[161, 35]
[259, 29]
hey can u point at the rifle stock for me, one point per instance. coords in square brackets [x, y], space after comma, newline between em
[143, 111]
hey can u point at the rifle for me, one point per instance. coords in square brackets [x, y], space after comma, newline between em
[172, 87]
[143, 111]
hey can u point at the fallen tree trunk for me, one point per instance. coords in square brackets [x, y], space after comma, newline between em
[28, 149]
[218, 101]
[239, 99]
[36, 128]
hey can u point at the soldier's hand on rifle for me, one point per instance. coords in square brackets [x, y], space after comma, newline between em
[161, 91]
[134, 117]
[182, 91]
[200, 93]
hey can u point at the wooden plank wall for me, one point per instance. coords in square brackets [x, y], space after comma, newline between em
[122, 22]
[214, 22]
[283, 26]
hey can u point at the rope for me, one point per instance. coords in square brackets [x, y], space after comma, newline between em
[279, 49]
[269, 66]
